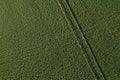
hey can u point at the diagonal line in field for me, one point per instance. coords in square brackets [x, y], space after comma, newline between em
[72, 20]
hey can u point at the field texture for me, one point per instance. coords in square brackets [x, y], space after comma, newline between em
[59, 40]
[100, 23]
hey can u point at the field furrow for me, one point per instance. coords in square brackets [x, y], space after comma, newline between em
[82, 40]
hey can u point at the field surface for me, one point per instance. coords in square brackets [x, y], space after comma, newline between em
[59, 40]
[100, 23]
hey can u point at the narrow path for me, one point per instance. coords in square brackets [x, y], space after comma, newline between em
[92, 61]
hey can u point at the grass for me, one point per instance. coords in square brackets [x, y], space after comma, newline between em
[59, 40]
[37, 43]
[99, 21]
[82, 41]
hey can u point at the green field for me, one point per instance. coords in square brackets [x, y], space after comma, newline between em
[59, 40]
[100, 22]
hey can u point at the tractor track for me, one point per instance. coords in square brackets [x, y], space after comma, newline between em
[87, 49]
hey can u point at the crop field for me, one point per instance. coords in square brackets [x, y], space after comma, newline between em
[100, 23]
[59, 40]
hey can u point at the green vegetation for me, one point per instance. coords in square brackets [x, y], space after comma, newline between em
[59, 40]
[37, 43]
[99, 22]
[82, 41]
